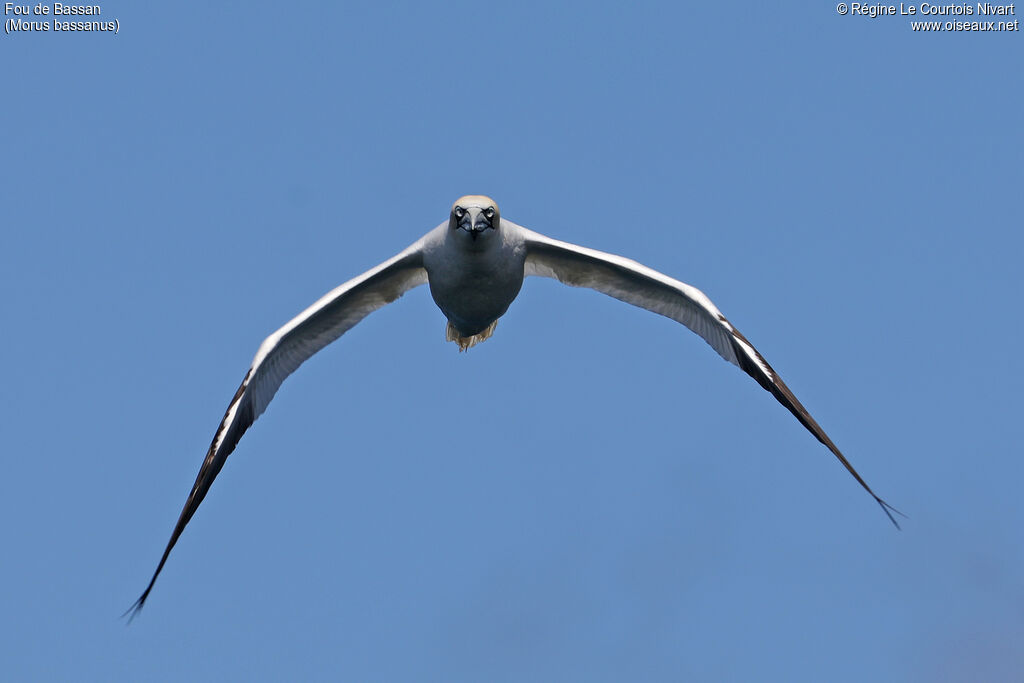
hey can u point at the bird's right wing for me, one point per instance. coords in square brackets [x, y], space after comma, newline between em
[284, 351]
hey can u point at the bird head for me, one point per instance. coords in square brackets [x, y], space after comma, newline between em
[475, 214]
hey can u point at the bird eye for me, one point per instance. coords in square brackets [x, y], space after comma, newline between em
[459, 212]
[490, 212]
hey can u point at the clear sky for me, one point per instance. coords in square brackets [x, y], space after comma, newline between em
[592, 494]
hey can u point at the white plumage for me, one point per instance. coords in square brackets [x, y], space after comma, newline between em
[475, 263]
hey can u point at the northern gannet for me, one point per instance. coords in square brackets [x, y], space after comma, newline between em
[475, 263]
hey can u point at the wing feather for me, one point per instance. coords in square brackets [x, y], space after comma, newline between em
[282, 353]
[636, 284]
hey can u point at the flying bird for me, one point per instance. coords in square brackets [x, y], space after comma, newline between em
[474, 264]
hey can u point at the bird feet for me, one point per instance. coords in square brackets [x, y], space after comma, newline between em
[452, 334]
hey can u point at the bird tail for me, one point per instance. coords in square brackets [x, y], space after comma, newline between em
[452, 334]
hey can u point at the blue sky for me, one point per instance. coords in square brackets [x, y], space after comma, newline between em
[591, 495]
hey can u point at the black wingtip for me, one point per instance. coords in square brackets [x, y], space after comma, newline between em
[888, 510]
[136, 607]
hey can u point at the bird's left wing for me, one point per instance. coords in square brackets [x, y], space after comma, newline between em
[284, 351]
[641, 286]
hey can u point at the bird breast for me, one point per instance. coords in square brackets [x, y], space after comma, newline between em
[475, 289]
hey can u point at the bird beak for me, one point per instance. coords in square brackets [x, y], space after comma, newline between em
[475, 222]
